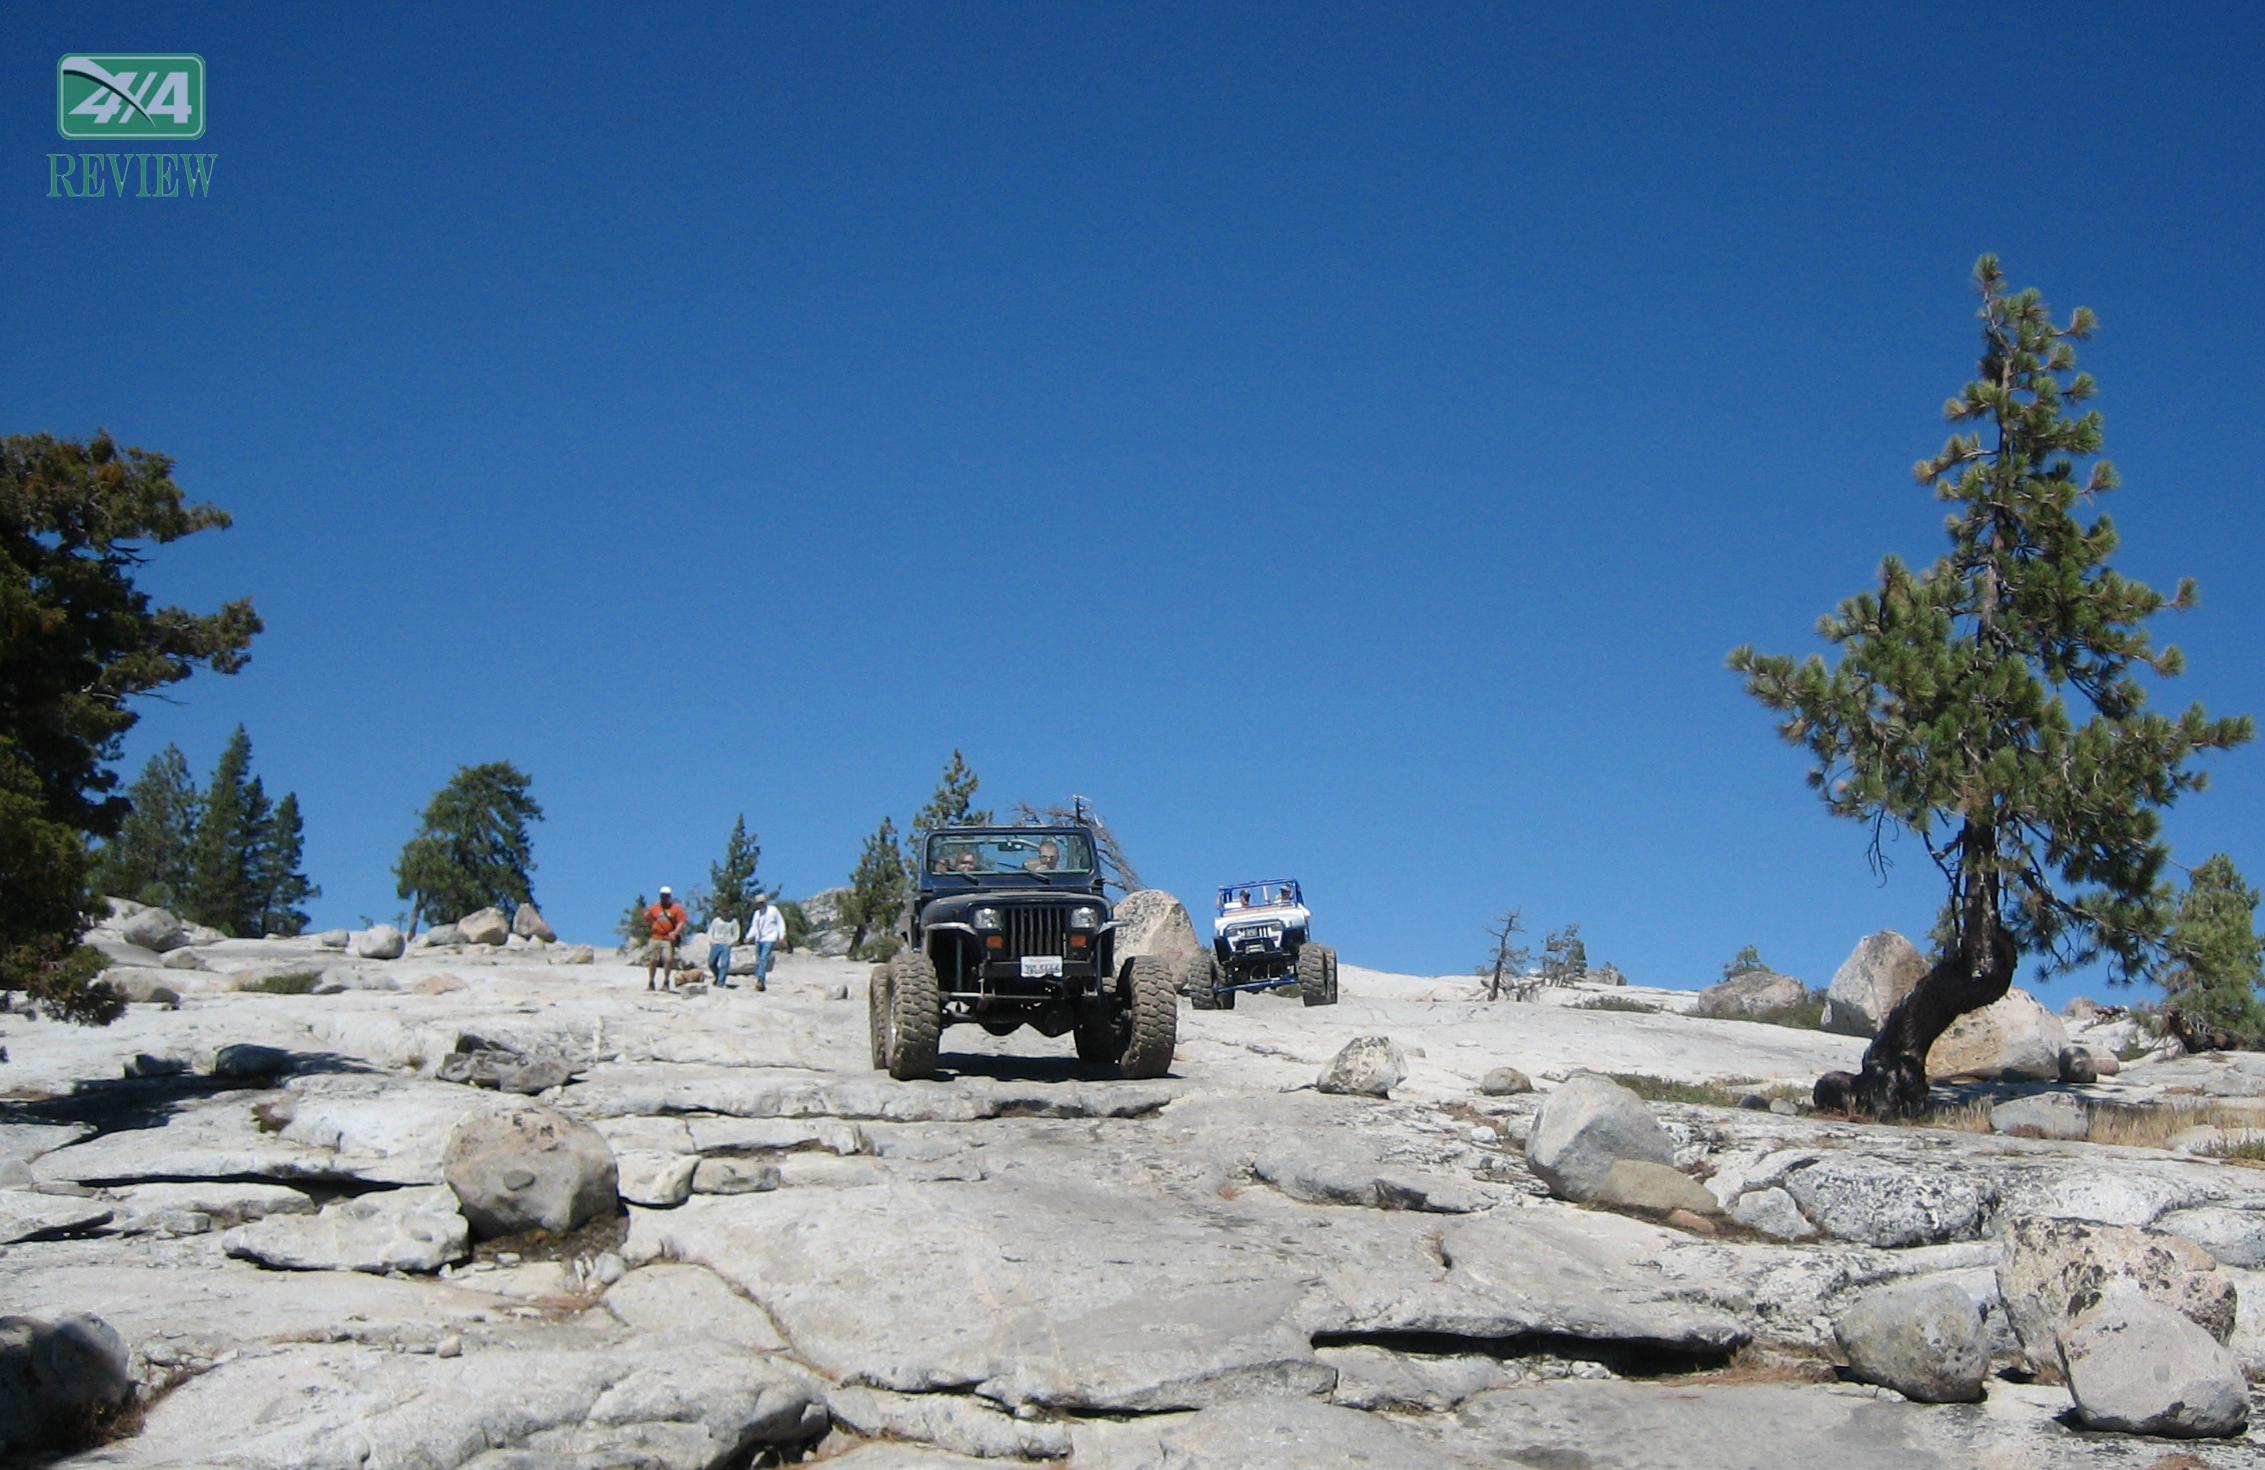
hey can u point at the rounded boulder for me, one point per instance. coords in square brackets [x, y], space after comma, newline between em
[529, 1169]
[1585, 1127]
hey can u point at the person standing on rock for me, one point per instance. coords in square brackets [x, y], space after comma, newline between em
[766, 926]
[723, 933]
[667, 919]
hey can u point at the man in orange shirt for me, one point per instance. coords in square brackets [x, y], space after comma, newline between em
[667, 920]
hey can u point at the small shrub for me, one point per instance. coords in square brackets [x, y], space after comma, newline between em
[297, 982]
[1664, 1089]
[1614, 1003]
[879, 948]
[1802, 1015]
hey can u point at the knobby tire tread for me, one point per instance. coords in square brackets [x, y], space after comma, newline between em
[915, 1017]
[1154, 1007]
[1317, 974]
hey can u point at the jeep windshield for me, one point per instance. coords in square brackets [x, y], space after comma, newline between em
[1037, 854]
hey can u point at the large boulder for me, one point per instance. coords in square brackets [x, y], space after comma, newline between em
[379, 942]
[154, 929]
[528, 1169]
[1748, 997]
[1368, 1066]
[392, 1230]
[2013, 1039]
[442, 934]
[1924, 1339]
[2053, 1270]
[56, 1376]
[528, 923]
[1881, 970]
[2136, 1365]
[487, 926]
[1586, 1126]
[1153, 922]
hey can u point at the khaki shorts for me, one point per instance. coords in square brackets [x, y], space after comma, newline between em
[661, 952]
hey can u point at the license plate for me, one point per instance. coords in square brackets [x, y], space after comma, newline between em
[1039, 966]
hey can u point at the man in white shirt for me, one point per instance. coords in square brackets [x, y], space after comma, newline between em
[723, 933]
[766, 926]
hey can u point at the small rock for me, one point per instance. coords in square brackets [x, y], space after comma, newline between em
[734, 1176]
[655, 1179]
[1505, 1082]
[1686, 1220]
[1881, 970]
[1644, 1185]
[1924, 1339]
[53, 1373]
[1368, 1066]
[609, 1268]
[440, 982]
[379, 942]
[145, 1065]
[442, 934]
[2046, 1115]
[1584, 1128]
[247, 1062]
[2078, 1066]
[572, 954]
[1773, 1212]
[833, 992]
[1754, 1102]
[154, 929]
[142, 987]
[1785, 1107]
[184, 959]
[487, 926]
[450, 1346]
[334, 938]
[528, 923]
[530, 1168]
[1745, 997]
[2136, 1365]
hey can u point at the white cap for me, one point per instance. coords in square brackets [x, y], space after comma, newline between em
[664, 888]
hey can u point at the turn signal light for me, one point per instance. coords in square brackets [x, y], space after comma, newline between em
[994, 941]
[1077, 941]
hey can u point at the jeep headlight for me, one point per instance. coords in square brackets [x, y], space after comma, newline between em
[1085, 918]
[985, 918]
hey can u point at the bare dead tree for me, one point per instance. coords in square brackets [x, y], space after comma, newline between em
[1509, 958]
[1116, 871]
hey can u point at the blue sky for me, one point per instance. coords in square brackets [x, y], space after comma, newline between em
[1339, 441]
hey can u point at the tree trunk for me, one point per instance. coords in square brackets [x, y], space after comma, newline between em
[1977, 972]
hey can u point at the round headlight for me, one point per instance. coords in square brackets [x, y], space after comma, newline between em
[1085, 918]
[985, 918]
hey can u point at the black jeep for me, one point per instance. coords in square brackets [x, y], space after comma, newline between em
[1007, 926]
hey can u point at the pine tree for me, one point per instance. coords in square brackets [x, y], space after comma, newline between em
[953, 805]
[2217, 962]
[1745, 962]
[876, 887]
[731, 882]
[635, 929]
[472, 850]
[1948, 713]
[148, 861]
[278, 885]
[221, 883]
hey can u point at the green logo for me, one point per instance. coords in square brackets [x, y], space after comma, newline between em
[130, 96]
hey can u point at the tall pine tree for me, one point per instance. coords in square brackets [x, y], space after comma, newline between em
[2217, 962]
[278, 887]
[876, 887]
[221, 885]
[1948, 714]
[953, 805]
[148, 861]
[472, 850]
[731, 882]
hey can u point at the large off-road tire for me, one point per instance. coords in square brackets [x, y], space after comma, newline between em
[877, 1014]
[1201, 985]
[916, 1017]
[1152, 1017]
[1317, 974]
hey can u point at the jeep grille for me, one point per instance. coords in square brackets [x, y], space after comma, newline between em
[1035, 930]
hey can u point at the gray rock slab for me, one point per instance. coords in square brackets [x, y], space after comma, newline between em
[1336, 1170]
[27, 1141]
[1261, 1434]
[1584, 1127]
[2044, 1115]
[1885, 1203]
[25, 1214]
[225, 1202]
[754, 1135]
[1378, 1378]
[2235, 1236]
[751, 1093]
[958, 1423]
[666, 1297]
[393, 1230]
